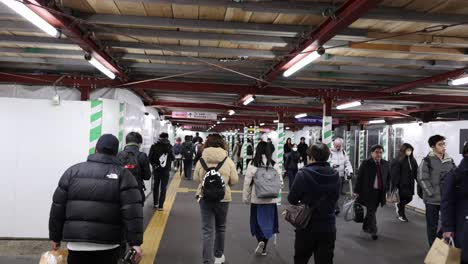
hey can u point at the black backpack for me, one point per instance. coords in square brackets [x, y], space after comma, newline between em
[129, 159]
[213, 186]
[187, 151]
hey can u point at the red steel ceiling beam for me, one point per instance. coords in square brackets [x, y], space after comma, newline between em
[71, 29]
[288, 109]
[347, 14]
[78, 81]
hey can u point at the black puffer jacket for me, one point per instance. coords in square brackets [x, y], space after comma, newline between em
[97, 201]
[404, 173]
[162, 147]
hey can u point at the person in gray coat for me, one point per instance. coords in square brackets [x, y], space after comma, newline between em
[431, 173]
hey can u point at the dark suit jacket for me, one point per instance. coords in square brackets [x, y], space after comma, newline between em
[366, 178]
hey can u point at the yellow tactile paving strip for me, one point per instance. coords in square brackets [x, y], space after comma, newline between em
[155, 230]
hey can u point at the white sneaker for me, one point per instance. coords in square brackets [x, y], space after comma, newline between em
[259, 249]
[220, 260]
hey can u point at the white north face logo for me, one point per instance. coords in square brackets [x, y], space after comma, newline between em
[163, 160]
[112, 176]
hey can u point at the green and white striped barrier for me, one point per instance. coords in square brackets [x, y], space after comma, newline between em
[96, 125]
[385, 142]
[281, 142]
[229, 137]
[348, 143]
[244, 149]
[256, 137]
[121, 126]
[362, 144]
[327, 133]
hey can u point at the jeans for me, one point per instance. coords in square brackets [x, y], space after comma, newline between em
[178, 165]
[321, 245]
[370, 221]
[291, 176]
[94, 257]
[161, 179]
[432, 222]
[188, 169]
[214, 216]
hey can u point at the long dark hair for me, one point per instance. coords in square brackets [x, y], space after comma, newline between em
[263, 148]
[402, 153]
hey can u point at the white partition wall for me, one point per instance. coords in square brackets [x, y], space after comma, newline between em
[40, 141]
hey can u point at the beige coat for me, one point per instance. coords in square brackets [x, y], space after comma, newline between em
[212, 157]
[248, 193]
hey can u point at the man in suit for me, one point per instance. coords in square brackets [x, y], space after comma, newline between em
[372, 183]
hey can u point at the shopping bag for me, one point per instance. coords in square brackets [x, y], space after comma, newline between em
[300, 165]
[393, 197]
[54, 257]
[443, 253]
[348, 207]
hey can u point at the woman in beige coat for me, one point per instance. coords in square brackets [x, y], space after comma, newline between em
[263, 212]
[214, 214]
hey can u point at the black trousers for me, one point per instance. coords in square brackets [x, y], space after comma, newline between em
[161, 179]
[94, 257]
[402, 205]
[188, 169]
[319, 244]
[370, 221]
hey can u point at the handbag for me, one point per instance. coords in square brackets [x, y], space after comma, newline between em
[299, 215]
[443, 253]
[393, 197]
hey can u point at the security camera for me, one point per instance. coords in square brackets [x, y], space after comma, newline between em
[420, 123]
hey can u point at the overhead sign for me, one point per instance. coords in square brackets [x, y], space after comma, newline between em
[195, 115]
[314, 120]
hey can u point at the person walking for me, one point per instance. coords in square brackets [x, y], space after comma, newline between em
[214, 212]
[431, 173]
[404, 172]
[250, 151]
[197, 138]
[177, 149]
[96, 208]
[135, 161]
[454, 205]
[161, 157]
[263, 211]
[302, 148]
[188, 150]
[291, 164]
[236, 153]
[339, 161]
[198, 150]
[372, 184]
[272, 146]
[316, 185]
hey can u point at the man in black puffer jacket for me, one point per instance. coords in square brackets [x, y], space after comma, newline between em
[96, 207]
[316, 185]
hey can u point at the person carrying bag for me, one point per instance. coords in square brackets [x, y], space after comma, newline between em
[443, 253]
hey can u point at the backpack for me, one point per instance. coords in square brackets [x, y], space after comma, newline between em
[187, 151]
[420, 190]
[129, 159]
[249, 150]
[213, 186]
[267, 183]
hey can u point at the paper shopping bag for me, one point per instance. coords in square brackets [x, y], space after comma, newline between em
[54, 257]
[443, 253]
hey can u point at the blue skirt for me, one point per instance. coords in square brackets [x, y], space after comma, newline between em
[263, 220]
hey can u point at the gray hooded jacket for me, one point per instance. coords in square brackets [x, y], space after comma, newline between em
[431, 173]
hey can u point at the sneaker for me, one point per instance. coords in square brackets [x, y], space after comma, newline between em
[374, 237]
[260, 248]
[156, 206]
[264, 253]
[403, 219]
[160, 209]
[220, 260]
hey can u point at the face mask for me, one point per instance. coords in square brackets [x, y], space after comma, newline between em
[294, 149]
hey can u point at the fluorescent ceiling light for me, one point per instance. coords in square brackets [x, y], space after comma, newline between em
[231, 112]
[275, 121]
[349, 105]
[224, 119]
[301, 115]
[304, 62]
[380, 121]
[100, 67]
[459, 81]
[250, 99]
[32, 17]
[262, 124]
[287, 128]
[218, 122]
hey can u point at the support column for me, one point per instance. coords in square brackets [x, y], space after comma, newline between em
[121, 126]
[256, 137]
[96, 124]
[229, 137]
[281, 141]
[85, 93]
[384, 142]
[362, 146]
[327, 123]
[348, 143]
[244, 150]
